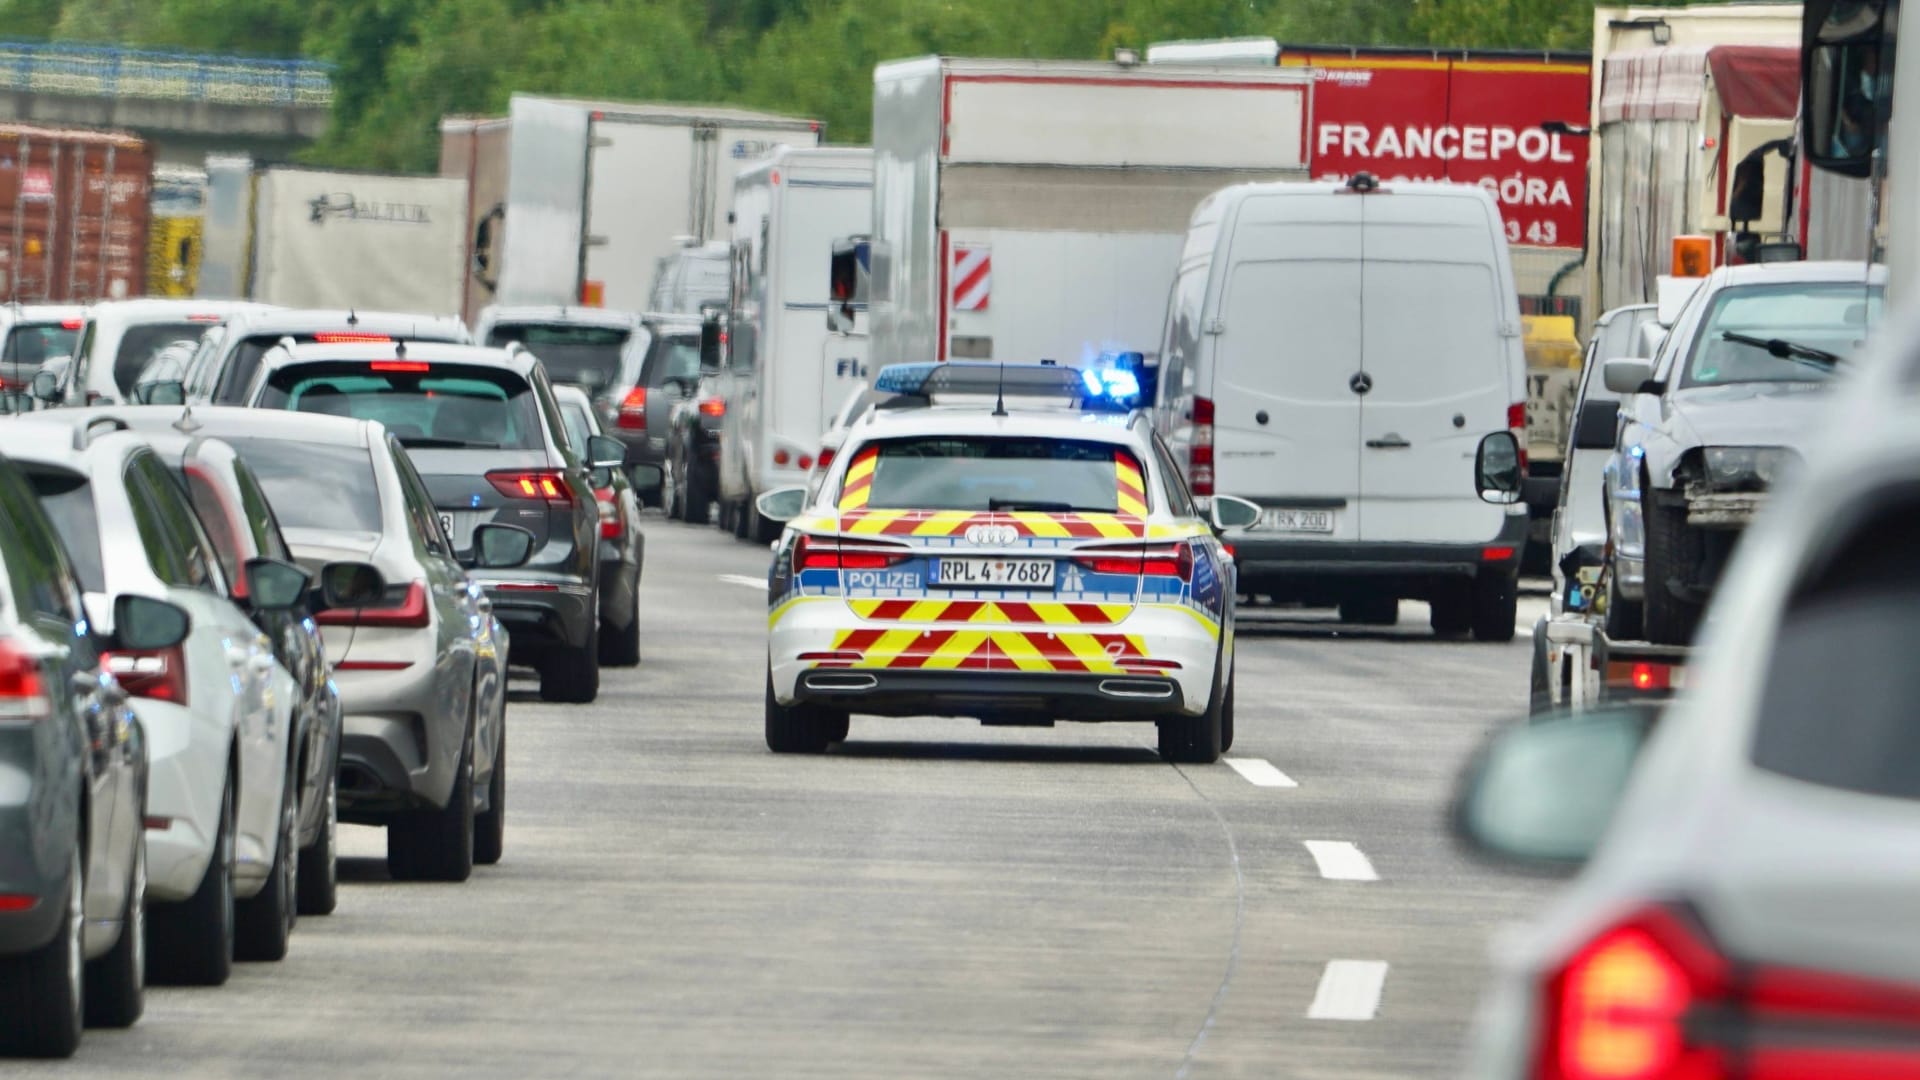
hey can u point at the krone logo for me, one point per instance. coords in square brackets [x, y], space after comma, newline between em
[992, 535]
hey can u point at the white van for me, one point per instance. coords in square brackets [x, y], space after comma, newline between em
[1336, 353]
[785, 372]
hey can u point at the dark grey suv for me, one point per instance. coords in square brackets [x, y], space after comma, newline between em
[485, 434]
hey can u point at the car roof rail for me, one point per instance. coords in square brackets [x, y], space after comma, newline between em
[83, 435]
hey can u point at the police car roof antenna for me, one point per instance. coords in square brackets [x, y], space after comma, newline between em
[1000, 392]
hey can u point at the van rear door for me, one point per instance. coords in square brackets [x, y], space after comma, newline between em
[1286, 420]
[1441, 351]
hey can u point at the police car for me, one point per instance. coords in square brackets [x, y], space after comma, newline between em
[1010, 543]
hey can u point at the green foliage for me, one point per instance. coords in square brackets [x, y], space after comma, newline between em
[402, 64]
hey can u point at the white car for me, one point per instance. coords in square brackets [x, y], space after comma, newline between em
[1748, 900]
[119, 337]
[33, 336]
[217, 708]
[224, 363]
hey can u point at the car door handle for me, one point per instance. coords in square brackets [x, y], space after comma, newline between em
[1389, 441]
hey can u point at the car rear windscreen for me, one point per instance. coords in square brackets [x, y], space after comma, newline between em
[68, 500]
[32, 344]
[586, 356]
[315, 485]
[672, 357]
[240, 366]
[983, 473]
[142, 343]
[442, 406]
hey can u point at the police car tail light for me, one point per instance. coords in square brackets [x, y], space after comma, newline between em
[1200, 450]
[1158, 560]
[824, 553]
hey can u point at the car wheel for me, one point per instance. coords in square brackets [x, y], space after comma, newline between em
[116, 983]
[621, 648]
[697, 498]
[1370, 610]
[1200, 740]
[319, 861]
[264, 923]
[1226, 719]
[490, 826]
[1625, 618]
[801, 729]
[1671, 546]
[1496, 604]
[191, 943]
[437, 845]
[742, 516]
[572, 676]
[1451, 607]
[40, 991]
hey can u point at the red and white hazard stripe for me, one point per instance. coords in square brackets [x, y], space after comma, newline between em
[972, 277]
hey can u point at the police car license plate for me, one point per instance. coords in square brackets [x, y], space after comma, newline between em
[1282, 519]
[994, 573]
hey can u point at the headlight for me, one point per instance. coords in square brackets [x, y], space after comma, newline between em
[1748, 466]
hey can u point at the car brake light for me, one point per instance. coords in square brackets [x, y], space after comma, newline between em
[1175, 560]
[633, 410]
[342, 337]
[713, 406]
[611, 527]
[206, 318]
[548, 484]
[826, 457]
[1517, 423]
[1496, 554]
[1642, 675]
[1200, 450]
[825, 553]
[23, 697]
[414, 367]
[69, 324]
[17, 902]
[159, 674]
[402, 606]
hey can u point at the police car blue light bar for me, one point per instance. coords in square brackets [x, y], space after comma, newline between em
[1092, 388]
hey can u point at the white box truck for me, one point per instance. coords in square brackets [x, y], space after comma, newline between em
[1030, 209]
[786, 370]
[576, 202]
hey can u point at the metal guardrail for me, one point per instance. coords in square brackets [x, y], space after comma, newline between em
[104, 71]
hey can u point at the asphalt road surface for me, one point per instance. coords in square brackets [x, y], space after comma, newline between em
[933, 899]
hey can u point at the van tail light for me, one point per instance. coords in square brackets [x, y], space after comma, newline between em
[158, 674]
[23, 697]
[826, 553]
[612, 527]
[403, 606]
[1156, 560]
[826, 458]
[1200, 450]
[713, 406]
[1651, 998]
[633, 410]
[1517, 423]
[548, 484]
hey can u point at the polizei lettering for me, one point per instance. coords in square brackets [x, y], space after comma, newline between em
[1446, 142]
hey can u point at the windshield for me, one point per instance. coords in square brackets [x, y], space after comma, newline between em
[586, 356]
[140, 343]
[955, 472]
[245, 359]
[32, 344]
[1831, 317]
[68, 500]
[452, 406]
[314, 485]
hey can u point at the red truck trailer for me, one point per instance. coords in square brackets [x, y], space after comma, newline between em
[73, 214]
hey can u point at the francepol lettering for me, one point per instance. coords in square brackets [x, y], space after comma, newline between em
[1446, 143]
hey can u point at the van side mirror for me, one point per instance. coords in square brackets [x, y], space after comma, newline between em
[713, 341]
[1544, 793]
[1496, 468]
[1629, 375]
[1597, 425]
[1846, 87]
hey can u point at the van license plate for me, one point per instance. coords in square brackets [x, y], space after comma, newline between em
[1279, 519]
[994, 573]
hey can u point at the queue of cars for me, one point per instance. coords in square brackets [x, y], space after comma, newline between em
[267, 578]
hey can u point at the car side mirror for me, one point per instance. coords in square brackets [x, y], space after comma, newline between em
[141, 623]
[1496, 468]
[1629, 375]
[273, 585]
[500, 547]
[1598, 423]
[165, 392]
[1233, 512]
[605, 452]
[46, 385]
[1544, 793]
[350, 585]
[782, 504]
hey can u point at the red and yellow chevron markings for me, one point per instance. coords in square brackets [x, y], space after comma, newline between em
[990, 611]
[859, 481]
[956, 522]
[1003, 650]
[1132, 487]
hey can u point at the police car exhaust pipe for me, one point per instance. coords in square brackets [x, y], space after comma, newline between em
[846, 681]
[1136, 688]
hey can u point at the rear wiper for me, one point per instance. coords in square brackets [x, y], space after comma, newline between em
[1034, 505]
[1819, 359]
[427, 442]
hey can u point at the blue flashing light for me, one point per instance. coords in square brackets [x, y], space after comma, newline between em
[1102, 388]
[1637, 451]
[1095, 387]
[903, 378]
[1121, 384]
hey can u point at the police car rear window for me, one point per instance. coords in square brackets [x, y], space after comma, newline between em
[986, 473]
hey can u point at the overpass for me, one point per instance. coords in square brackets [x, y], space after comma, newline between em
[187, 105]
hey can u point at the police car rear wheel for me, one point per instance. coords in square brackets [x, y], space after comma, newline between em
[1200, 740]
[801, 729]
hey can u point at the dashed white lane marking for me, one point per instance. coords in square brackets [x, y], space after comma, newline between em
[1341, 861]
[1349, 990]
[1259, 772]
[742, 579]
